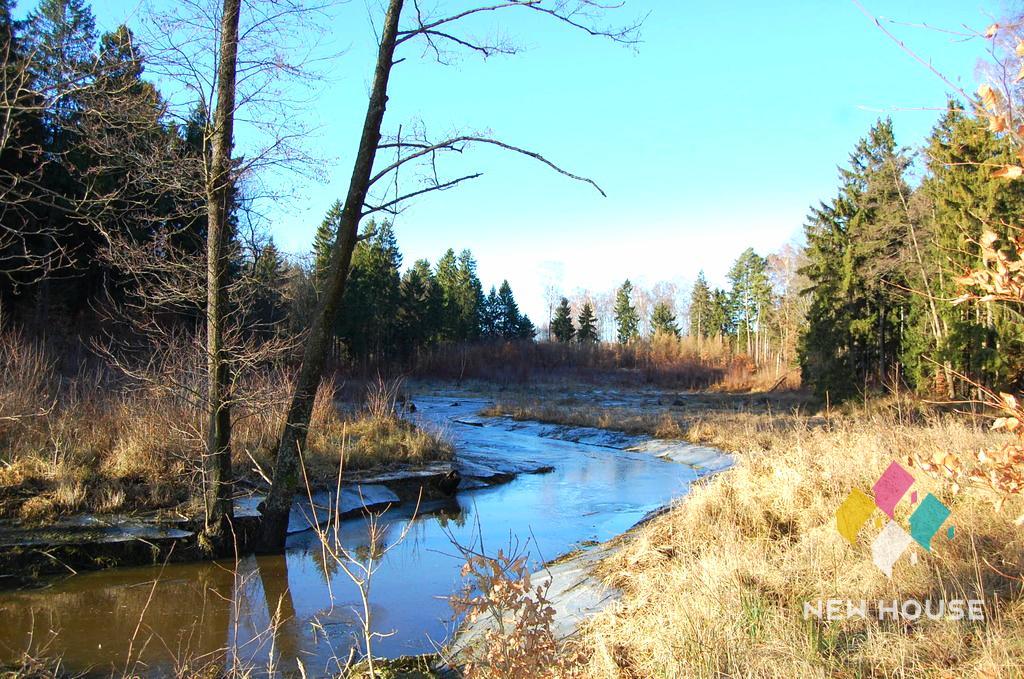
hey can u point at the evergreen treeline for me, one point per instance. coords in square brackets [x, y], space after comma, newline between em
[87, 228]
[387, 313]
[82, 120]
[882, 258]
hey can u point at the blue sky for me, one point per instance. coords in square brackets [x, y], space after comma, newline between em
[717, 134]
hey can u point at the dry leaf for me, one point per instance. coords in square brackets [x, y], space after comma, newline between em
[991, 31]
[990, 99]
[1009, 172]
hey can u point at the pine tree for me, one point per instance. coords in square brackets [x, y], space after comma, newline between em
[701, 303]
[858, 268]
[561, 326]
[587, 323]
[626, 318]
[663, 321]
[510, 322]
[62, 40]
[749, 297]
[323, 241]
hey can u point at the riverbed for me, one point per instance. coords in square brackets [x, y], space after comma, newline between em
[586, 486]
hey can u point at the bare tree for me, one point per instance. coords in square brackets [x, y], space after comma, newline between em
[218, 191]
[244, 63]
[440, 35]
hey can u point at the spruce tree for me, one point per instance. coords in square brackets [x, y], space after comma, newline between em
[626, 318]
[587, 323]
[324, 239]
[469, 298]
[561, 326]
[663, 321]
[749, 296]
[720, 322]
[62, 41]
[525, 330]
[963, 202]
[447, 276]
[368, 315]
[419, 312]
[510, 322]
[489, 315]
[21, 161]
[701, 308]
[268, 278]
[858, 269]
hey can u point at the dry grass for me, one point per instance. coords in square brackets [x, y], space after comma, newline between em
[94, 443]
[716, 587]
[664, 361]
[707, 418]
[372, 436]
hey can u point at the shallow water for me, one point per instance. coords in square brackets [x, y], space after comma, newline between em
[198, 609]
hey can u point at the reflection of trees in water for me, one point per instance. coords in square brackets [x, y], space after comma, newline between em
[119, 622]
[277, 597]
[392, 525]
[454, 514]
[265, 632]
[326, 567]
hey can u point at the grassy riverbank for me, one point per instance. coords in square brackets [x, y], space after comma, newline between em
[716, 587]
[89, 444]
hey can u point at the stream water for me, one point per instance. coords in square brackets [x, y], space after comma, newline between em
[152, 619]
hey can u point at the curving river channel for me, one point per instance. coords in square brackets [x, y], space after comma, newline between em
[588, 489]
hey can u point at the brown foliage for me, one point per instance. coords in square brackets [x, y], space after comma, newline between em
[519, 642]
[661, 361]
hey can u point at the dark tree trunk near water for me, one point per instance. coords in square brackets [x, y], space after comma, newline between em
[217, 462]
[286, 469]
[420, 148]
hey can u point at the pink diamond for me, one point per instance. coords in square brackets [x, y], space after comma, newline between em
[891, 486]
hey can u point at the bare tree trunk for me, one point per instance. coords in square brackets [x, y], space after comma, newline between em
[286, 469]
[218, 195]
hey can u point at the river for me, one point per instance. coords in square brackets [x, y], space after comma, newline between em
[152, 619]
